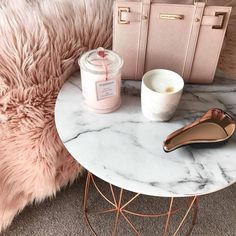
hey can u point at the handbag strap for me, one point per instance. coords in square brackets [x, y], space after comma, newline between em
[193, 39]
[127, 16]
[146, 6]
[143, 18]
[189, 2]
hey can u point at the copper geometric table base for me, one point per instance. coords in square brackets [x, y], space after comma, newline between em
[120, 210]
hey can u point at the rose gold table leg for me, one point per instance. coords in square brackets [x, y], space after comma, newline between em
[118, 212]
[186, 215]
[121, 210]
[195, 214]
[131, 225]
[86, 192]
[168, 217]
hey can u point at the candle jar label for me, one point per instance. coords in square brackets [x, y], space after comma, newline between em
[106, 89]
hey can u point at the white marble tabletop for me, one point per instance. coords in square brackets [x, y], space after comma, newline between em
[125, 149]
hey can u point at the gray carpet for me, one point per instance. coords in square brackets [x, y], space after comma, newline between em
[63, 215]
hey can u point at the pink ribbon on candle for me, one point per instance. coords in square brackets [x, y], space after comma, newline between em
[101, 53]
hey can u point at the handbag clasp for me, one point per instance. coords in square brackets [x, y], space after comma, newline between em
[120, 10]
[222, 15]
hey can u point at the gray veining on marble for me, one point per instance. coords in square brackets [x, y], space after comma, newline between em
[125, 149]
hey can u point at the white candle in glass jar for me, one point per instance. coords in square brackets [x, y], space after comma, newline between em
[101, 80]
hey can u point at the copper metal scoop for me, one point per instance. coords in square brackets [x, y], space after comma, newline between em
[215, 126]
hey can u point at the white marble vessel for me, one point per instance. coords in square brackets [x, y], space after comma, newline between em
[125, 149]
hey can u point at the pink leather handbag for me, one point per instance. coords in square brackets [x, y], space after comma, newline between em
[185, 38]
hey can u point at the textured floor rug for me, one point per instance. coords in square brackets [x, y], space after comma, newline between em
[40, 42]
[64, 216]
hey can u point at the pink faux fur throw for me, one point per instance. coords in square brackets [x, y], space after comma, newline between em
[40, 42]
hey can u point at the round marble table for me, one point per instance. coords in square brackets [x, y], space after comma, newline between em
[125, 149]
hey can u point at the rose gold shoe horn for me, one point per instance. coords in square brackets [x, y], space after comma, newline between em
[215, 126]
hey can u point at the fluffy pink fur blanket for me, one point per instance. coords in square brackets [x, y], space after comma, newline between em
[40, 42]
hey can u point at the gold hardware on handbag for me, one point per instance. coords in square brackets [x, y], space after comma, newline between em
[185, 38]
[171, 16]
[120, 10]
[223, 15]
